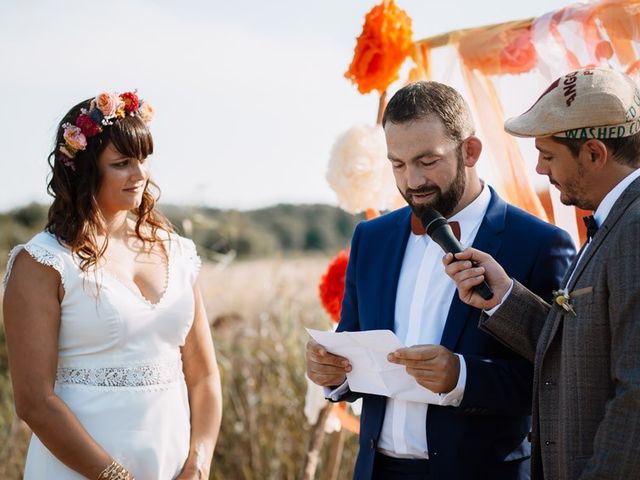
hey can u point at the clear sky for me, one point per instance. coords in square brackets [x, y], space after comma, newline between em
[249, 95]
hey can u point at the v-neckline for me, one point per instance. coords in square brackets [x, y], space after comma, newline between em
[135, 289]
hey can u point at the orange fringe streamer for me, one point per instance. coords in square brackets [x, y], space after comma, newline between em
[506, 48]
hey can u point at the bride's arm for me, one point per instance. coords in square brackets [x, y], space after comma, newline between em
[31, 310]
[205, 397]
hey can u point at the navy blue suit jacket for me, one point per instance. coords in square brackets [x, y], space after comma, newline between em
[482, 437]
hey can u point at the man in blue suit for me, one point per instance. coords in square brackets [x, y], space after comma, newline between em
[395, 280]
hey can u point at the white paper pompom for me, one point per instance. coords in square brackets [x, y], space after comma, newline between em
[359, 171]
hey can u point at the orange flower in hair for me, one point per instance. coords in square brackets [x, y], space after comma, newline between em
[331, 286]
[381, 48]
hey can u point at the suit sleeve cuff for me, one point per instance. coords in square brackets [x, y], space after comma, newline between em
[335, 394]
[491, 311]
[454, 397]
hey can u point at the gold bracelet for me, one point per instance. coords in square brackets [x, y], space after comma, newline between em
[115, 471]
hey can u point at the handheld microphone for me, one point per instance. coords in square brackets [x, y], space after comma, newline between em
[440, 232]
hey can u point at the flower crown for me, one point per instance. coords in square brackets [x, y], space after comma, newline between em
[103, 111]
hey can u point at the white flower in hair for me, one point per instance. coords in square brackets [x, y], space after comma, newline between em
[359, 171]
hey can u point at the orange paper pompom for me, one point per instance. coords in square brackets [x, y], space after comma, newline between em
[331, 286]
[381, 48]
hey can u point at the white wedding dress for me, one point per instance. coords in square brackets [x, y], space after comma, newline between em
[119, 363]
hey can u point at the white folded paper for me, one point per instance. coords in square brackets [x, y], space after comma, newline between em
[371, 372]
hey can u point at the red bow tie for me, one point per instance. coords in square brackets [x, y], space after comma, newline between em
[418, 229]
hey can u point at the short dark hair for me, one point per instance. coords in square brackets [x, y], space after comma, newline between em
[624, 150]
[422, 99]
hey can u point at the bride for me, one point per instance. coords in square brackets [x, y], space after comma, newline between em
[110, 352]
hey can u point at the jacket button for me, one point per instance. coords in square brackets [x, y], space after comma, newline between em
[372, 444]
[549, 442]
[549, 383]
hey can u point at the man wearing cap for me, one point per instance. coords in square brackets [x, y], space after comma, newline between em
[477, 430]
[585, 344]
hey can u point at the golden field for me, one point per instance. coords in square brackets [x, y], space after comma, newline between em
[258, 310]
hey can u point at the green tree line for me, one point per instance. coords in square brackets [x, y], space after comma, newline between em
[267, 231]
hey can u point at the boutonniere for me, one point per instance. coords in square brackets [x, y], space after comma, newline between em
[561, 299]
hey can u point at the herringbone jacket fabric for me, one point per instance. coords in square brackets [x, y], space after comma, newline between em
[586, 395]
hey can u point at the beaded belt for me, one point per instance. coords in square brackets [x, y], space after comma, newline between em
[134, 376]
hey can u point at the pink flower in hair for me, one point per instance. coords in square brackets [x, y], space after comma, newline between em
[107, 103]
[74, 137]
[66, 160]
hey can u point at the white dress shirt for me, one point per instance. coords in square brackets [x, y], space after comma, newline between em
[423, 298]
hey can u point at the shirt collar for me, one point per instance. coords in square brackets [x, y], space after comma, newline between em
[471, 216]
[603, 210]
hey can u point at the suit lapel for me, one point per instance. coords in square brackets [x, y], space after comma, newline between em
[488, 240]
[631, 193]
[572, 266]
[393, 254]
[557, 318]
[619, 207]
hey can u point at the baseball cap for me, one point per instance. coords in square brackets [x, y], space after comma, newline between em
[587, 103]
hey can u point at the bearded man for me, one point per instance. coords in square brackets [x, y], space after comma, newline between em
[395, 280]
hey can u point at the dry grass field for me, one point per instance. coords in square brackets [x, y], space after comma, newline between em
[258, 310]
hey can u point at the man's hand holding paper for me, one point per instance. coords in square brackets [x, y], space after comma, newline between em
[433, 366]
[324, 368]
[369, 354]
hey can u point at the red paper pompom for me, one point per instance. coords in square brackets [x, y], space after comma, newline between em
[331, 287]
[131, 102]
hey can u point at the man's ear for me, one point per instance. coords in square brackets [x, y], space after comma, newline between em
[596, 152]
[471, 149]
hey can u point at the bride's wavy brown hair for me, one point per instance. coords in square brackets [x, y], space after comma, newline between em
[74, 217]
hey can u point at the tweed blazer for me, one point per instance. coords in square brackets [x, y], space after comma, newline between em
[586, 393]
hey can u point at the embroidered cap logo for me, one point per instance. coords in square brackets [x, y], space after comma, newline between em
[569, 87]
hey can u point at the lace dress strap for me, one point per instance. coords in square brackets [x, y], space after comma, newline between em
[190, 257]
[42, 251]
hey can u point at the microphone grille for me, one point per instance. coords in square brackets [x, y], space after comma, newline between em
[428, 216]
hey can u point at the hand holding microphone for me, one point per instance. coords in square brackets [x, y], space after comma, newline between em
[440, 232]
